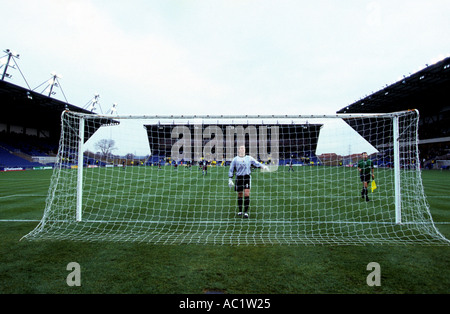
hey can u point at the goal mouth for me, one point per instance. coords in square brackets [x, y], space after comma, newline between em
[184, 180]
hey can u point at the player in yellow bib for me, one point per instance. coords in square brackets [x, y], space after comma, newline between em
[365, 168]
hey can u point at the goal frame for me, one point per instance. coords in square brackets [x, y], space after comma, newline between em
[79, 133]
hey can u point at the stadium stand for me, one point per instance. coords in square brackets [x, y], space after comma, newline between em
[30, 127]
[427, 92]
[298, 149]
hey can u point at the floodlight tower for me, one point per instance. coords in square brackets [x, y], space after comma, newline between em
[93, 103]
[53, 82]
[10, 55]
[113, 109]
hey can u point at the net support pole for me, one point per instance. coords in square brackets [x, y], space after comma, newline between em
[79, 209]
[397, 190]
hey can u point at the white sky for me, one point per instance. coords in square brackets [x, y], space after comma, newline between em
[225, 56]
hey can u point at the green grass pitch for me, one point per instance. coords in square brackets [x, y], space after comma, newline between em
[107, 267]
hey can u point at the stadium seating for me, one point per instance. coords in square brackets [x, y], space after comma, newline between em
[8, 160]
[16, 150]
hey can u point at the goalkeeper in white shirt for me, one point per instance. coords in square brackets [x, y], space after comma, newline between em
[241, 164]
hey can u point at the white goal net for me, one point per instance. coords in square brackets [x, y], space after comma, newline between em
[301, 180]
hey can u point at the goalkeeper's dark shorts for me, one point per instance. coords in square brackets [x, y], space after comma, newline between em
[242, 183]
[365, 177]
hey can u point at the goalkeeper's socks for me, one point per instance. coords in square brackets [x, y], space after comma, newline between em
[240, 204]
[246, 203]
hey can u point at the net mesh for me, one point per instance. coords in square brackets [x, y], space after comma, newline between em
[165, 180]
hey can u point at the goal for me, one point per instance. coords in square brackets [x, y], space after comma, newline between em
[165, 180]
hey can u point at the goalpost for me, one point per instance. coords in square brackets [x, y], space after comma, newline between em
[165, 180]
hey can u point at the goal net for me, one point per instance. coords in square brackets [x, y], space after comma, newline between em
[166, 180]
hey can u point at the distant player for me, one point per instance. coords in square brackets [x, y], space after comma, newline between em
[291, 164]
[365, 168]
[241, 164]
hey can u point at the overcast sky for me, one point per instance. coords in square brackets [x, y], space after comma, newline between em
[223, 57]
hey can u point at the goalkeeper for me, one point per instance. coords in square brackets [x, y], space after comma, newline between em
[241, 164]
[365, 168]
